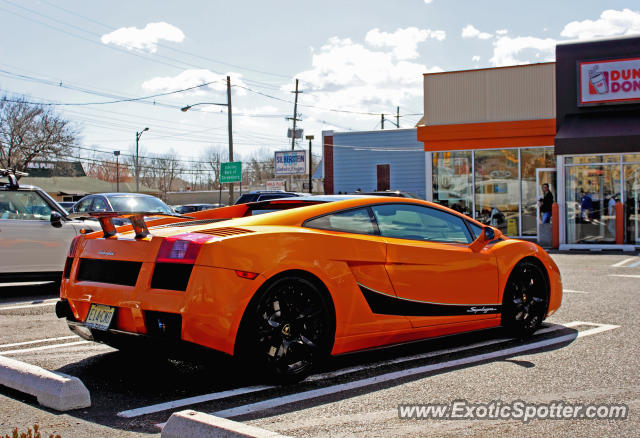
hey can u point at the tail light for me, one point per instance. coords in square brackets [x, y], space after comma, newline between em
[74, 246]
[183, 248]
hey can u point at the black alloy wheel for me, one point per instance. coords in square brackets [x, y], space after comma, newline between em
[526, 299]
[286, 331]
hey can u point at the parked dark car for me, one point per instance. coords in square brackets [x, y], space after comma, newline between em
[263, 195]
[190, 208]
[67, 205]
[120, 202]
[397, 193]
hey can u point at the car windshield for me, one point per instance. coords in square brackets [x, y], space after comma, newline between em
[139, 203]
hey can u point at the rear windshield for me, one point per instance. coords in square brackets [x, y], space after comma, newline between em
[139, 203]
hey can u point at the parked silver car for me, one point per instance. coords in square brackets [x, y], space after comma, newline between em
[35, 232]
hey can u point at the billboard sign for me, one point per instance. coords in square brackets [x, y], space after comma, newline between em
[231, 172]
[290, 163]
[276, 184]
[609, 82]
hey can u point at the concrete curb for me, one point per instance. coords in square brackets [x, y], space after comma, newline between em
[187, 424]
[53, 390]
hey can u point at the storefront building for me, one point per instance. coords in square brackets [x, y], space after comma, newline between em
[598, 142]
[491, 139]
[489, 136]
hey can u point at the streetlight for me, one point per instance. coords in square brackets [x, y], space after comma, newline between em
[138, 135]
[228, 105]
[310, 137]
[117, 154]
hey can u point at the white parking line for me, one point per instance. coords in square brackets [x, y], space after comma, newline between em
[574, 291]
[190, 401]
[25, 283]
[354, 369]
[27, 306]
[624, 275]
[218, 395]
[307, 395]
[623, 262]
[45, 347]
[633, 265]
[38, 341]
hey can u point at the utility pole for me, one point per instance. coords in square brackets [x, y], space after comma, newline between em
[117, 154]
[310, 137]
[138, 135]
[230, 134]
[293, 133]
[398, 117]
[382, 121]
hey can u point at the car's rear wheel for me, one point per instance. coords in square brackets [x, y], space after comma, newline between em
[525, 299]
[286, 330]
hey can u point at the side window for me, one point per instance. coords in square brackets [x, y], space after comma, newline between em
[350, 221]
[407, 221]
[83, 206]
[24, 205]
[99, 204]
[476, 229]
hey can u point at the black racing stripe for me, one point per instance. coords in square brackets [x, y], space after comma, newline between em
[382, 304]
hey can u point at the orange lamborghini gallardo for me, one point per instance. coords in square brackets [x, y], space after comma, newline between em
[284, 283]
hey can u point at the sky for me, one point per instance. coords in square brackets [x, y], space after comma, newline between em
[355, 59]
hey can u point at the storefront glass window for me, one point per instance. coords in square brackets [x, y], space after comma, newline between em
[591, 194]
[631, 158]
[452, 180]
[497, 189]
[632, 202]
[589, 159]
[530, 160]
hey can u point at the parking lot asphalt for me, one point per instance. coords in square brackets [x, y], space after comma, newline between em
[586, 353]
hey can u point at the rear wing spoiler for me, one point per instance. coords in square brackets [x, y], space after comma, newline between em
[136, 219]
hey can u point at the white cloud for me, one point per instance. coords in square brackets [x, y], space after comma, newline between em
[428, 1]
[475, 58]
[469, 31]
[403, 41]
[191, 78]
[611, 22]
[143, 39]
[513, 51]
[349, 75]
[502, 32]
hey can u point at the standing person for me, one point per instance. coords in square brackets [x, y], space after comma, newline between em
[546, 203]
[611, 207]
[586, 205]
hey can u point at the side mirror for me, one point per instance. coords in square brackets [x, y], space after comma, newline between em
[56, 219]
[489, 234]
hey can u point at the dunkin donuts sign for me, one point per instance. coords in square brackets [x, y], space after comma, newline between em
[615, 81]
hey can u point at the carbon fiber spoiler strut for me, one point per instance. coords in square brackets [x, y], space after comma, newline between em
[136, 219]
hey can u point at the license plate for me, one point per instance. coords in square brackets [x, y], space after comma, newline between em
[100, 316]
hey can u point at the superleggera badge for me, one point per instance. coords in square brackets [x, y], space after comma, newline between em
[105, 253]
[481, 309]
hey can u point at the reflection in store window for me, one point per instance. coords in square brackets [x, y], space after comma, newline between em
[452, 180]
[532, 159]
[496, 189]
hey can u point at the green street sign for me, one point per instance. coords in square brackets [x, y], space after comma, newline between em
[231, 172]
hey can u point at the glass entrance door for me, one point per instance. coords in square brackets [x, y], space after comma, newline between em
[632, 202]
[545, 183]
[592, 191]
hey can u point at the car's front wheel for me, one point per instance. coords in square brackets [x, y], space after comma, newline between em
[525, 299]
[286, 330]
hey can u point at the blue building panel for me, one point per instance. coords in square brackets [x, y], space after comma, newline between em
[357, 154]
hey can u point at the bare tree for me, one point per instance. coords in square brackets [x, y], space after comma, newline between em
[29, 132]
[160, 171]
[212, 157]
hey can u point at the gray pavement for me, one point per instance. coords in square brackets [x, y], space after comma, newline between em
[595, 364]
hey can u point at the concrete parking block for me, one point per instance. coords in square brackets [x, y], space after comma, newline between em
[190, 423]
[53, 390]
